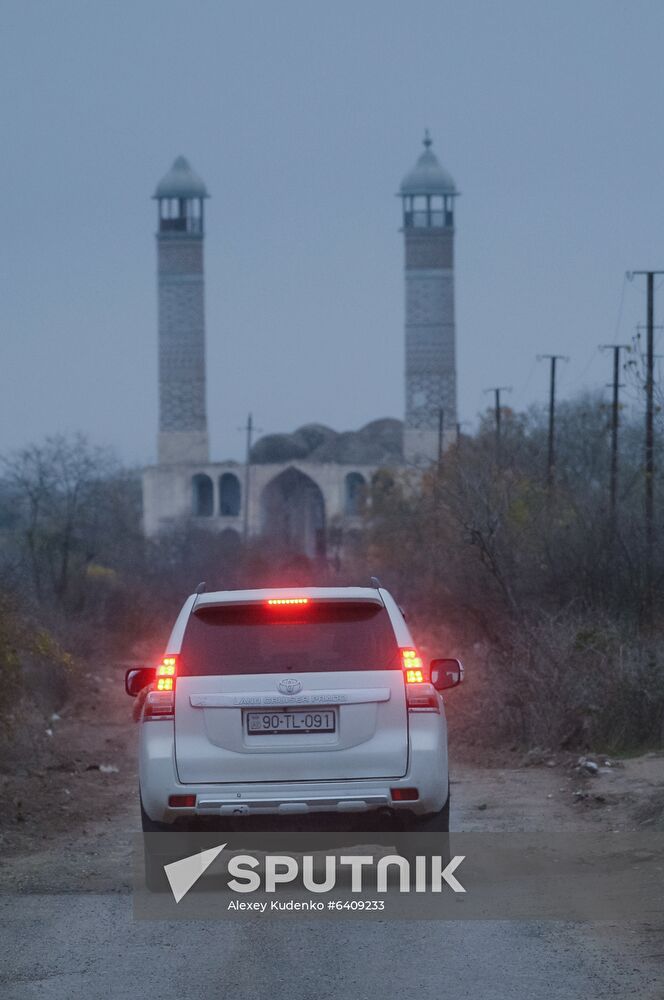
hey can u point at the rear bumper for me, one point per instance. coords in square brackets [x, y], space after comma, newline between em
[427, 771]
[285, 801]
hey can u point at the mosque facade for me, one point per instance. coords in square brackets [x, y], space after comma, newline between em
[306, 489]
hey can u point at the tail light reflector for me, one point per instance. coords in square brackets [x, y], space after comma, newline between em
[182, 801]
[159, 705]
[422, 698]
[404, 794]
[160, 702]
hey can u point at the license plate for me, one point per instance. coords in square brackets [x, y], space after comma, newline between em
[276, 723]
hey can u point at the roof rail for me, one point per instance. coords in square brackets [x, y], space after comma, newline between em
[201, 588]
[374, 582]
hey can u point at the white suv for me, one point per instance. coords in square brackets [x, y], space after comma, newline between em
[292, 702]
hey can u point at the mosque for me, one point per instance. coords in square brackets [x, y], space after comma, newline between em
[305, 489]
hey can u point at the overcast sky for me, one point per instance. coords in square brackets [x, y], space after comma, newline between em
[302, 117]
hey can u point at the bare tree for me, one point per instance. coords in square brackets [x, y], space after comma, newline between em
[54, 493]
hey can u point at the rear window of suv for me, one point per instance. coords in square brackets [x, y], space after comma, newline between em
[257, 639]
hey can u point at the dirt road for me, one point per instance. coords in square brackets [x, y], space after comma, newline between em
[65, 908]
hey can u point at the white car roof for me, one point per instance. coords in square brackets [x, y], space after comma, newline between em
[272, 593]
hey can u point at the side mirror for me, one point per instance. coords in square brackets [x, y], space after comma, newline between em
[446, 674]
[136, 678]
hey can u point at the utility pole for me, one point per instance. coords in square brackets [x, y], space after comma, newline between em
[649, 457]
[551, 460]
[496, 390]
[459, 425]
[247, 476]
[441, 427]
[615, 423]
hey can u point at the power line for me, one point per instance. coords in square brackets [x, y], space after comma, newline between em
[582, 374]
[521, 390]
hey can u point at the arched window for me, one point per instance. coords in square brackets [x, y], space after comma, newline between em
[229, 495]
[293, 513]
[355, 494]
[202, 495]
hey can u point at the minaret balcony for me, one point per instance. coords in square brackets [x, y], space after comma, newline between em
[180, 224]
[423, 219]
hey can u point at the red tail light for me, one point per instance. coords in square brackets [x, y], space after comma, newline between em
[412, 666]
[160, 701]
[165, 674]
[421, 695]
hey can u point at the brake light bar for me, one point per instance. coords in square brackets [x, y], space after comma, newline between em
[280, 601]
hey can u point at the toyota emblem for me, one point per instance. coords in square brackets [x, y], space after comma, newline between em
[289, 685]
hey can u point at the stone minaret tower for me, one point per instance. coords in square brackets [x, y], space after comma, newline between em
[183, 434]
[428, 194]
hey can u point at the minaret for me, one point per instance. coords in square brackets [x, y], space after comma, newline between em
[183, 434]
[428, 194]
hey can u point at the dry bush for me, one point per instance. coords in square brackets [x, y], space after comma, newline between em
[562, 682]
[34, 668]
[578, 683]
[541, 590]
